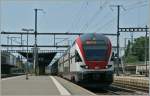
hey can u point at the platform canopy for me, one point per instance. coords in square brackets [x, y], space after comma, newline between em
[43, 58]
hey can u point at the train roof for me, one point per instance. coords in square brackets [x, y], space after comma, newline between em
[96, 36]
[84, 37]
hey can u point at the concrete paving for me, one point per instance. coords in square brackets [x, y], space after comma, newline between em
[35, 85]
[41, 86]
[74, 89]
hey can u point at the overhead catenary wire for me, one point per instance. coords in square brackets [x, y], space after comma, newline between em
[139, 2]
[127, 10]
[83, 17]
[84, 27]
[96, 24]
[75, 17]
[90, 21]
[105, 25]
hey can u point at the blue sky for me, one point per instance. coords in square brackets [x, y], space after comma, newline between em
[73, 16]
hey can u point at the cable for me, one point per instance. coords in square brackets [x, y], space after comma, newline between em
[136, 3]
[78, 12]
[103, 26]
[92, 19]
[95, 25]
[78, 16]
[85, 26]
[82, 15]
[131, 8]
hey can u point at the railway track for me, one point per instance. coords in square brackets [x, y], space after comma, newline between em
[116, 90]
[107, 92]
[137, 92]
[142, 89]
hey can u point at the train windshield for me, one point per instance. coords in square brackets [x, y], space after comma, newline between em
[95, 52]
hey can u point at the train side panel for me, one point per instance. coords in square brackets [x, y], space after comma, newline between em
[78, 67]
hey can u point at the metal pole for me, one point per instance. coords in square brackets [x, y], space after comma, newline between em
[36, 26]
[7, 42]
[131, 51]
[146, 73]
[125, 42]
[27, 58]
[149, 56]
[21, 41]
[54, 39]
[22, 50]
[11, 43]
[118, 33]
[23, 44]
[27, 67]
[35, 45]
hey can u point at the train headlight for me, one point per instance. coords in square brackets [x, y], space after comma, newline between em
[84, 66]
[108, 66]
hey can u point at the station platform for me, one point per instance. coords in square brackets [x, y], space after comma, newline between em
[40, 86]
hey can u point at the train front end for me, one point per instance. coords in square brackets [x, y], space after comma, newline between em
[95, 51]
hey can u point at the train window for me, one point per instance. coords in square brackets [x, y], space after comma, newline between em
[95, 52]
[77, 57]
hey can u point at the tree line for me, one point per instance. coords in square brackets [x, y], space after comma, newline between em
[137, 50]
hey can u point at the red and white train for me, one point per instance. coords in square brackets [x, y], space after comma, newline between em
[88, 60]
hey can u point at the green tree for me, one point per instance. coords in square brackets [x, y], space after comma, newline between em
[139, 48]
[131, 58]
[127, 51]
[136, 51]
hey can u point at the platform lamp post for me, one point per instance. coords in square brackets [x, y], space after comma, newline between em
[27, 30]
[12, 38]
